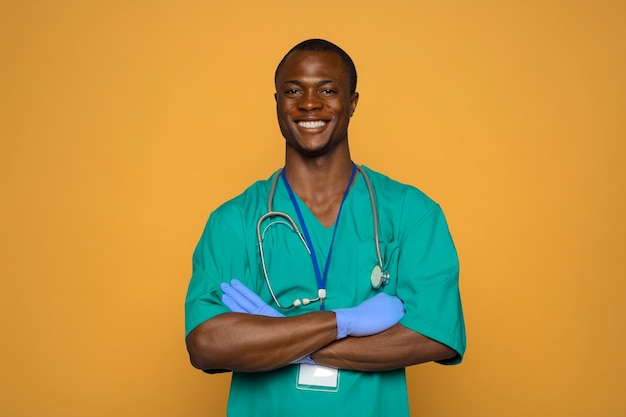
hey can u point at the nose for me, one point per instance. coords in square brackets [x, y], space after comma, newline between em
[310, 101]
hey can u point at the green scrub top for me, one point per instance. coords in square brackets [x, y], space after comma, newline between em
[416, 247]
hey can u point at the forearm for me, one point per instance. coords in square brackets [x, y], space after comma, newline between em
[394, 348]
[251, 343]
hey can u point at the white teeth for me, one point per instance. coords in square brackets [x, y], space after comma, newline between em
[311, 125]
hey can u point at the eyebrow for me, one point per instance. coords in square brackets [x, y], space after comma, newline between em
[298, 82]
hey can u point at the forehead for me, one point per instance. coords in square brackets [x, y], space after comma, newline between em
[303, 65]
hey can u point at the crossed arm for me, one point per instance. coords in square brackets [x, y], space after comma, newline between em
[257, 338]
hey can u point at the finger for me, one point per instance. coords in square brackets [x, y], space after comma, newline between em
[237, 302]
[253, 299]
[227, 289]
[232, 304]
[241, 296]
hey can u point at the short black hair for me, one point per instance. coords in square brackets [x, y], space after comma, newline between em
[321, 45]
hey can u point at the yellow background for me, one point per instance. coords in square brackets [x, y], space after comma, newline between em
[125, 123]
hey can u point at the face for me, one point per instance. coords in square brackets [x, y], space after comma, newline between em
[313, 102]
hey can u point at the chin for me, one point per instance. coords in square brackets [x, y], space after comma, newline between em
[311, 149]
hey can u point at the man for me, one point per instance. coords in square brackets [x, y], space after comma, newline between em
[346, 350]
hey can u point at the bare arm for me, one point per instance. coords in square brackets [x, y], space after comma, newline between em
[394, 348]
[251, 343]
[266, 340]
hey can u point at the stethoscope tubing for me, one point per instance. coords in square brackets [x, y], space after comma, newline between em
[295, 228]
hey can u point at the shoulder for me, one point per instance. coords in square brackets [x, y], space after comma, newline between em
[245, 205]
[403, 196]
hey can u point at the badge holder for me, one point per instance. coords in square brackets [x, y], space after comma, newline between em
[317, 378]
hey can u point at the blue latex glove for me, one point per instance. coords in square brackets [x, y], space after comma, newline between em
[240, 299]
[372, 316]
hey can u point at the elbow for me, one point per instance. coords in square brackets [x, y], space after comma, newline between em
[200, 350]
[445, 353]
[195, 348]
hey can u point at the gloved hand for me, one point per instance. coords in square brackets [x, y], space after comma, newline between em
[372, 316]
[240, 299]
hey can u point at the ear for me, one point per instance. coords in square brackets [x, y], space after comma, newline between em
[353, 102]
[276, 97]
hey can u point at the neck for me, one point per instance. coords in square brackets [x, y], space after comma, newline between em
[318, 179]
[320, 183]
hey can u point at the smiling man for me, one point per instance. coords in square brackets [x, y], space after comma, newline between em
[319, 286]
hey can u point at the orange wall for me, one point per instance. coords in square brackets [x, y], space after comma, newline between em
[124, 123]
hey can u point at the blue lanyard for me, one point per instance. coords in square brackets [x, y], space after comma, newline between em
[321, 279]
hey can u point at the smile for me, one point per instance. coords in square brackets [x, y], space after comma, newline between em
[311, 124]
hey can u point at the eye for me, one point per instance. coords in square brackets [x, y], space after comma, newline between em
[291, 91]
[328, 92]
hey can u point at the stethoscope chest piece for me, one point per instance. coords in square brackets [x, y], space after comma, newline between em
[379, 277]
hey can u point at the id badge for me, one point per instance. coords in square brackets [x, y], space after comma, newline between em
[317, 378]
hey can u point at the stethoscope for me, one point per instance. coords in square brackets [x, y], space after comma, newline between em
[379, 276]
